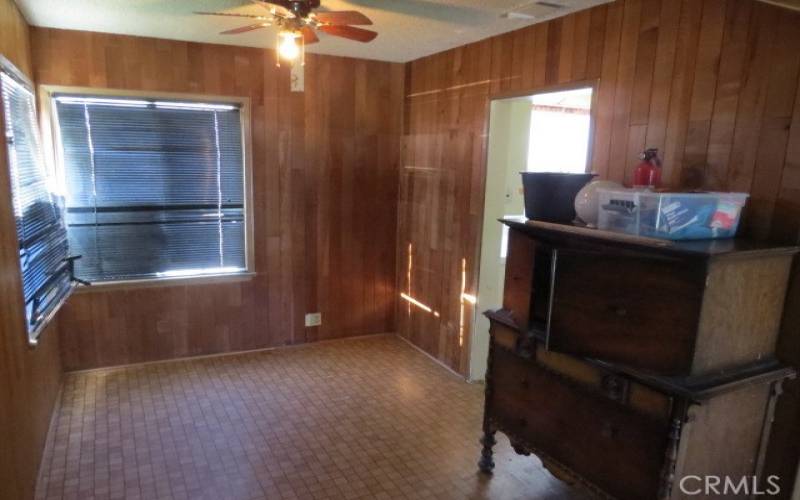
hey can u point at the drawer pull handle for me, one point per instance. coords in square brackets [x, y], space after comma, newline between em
[616, 388]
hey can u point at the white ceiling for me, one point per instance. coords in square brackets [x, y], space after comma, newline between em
[408, 29]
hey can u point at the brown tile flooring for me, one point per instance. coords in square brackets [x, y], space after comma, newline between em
[359, 418]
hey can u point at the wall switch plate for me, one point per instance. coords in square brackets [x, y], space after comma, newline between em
[298, 78]
[313, 319]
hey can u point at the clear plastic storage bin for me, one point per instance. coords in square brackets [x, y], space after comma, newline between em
[672, 216]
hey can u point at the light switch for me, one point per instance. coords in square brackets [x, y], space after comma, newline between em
[313, 319]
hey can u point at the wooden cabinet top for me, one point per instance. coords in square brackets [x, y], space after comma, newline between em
[703, 249]
[678, 309]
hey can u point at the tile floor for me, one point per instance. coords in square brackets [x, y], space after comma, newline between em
[352, 419]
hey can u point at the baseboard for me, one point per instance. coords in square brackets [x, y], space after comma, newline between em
[433, 358]
[226, 353]
[48, 442]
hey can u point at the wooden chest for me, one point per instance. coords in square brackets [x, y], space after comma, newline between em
[678, 309]
[627, 365]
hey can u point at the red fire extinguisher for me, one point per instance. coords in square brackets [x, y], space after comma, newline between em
[648, 172]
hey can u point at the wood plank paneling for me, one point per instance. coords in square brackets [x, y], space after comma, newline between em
[14, 36]
[325, 166]
[712, 83]
[29, 377]
[664, 81]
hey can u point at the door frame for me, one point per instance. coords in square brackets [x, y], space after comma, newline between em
[476, 337]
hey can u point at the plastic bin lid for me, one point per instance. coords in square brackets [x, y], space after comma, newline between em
[673, 193]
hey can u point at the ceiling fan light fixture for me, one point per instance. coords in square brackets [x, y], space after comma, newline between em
[298, 24]
[288, 47]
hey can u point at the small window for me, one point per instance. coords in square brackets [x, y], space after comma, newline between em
[40, 228]
[560, 131]
[155, 188]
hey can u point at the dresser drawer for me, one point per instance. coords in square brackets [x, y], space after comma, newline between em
[505, 333]
[616, 446]
[639, 398]
[639, 311]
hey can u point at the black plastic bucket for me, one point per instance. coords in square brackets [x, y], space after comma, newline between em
[550, 196]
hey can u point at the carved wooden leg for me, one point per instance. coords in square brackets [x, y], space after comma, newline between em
[486, 464]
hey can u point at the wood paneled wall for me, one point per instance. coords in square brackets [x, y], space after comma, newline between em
[15, 36]
[29, 378]
[712, 83]
[325, 166]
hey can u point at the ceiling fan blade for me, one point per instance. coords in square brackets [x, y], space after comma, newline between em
[349, 32]
[309, 36]
[260, 18]
[352, 17]
[244, 29]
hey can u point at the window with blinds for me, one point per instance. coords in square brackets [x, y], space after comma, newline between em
[40, 227]
[155, 188]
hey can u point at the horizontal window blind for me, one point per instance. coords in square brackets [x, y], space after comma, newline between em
[154, 188]
[39, 222]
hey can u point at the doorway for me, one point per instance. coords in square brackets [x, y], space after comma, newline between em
[546, 131]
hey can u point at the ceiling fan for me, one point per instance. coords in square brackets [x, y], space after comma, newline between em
[298, 20]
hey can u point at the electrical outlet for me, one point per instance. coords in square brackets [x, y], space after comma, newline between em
[313, 319]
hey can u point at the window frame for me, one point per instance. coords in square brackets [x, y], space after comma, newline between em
[6, 66]
[51, 134]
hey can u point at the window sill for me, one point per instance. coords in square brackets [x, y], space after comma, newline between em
[165, 282]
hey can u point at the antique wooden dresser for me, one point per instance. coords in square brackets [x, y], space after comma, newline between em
[627, 364]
